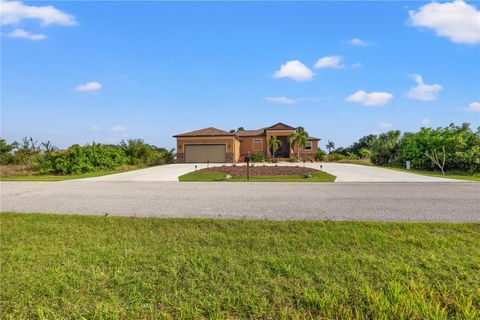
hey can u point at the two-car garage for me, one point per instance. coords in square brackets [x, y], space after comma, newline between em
[205, 152]
[207, 145]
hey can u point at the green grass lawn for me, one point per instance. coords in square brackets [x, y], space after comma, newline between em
[69, 267]
[49, 177]
[216, 176]
[448, 175]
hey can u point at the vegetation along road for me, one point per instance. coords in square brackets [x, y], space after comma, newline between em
[453, 201]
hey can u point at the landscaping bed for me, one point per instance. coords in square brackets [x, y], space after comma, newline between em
[259, 173]
[260, 170]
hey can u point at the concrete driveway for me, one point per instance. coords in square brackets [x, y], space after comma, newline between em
[344, 173]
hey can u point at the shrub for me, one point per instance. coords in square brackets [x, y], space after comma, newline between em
[141, 153]
[320, 155]
[335, 156]
[365, 153]
[258, 157]
[84, 159]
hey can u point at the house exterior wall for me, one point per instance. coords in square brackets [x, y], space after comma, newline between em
[308, 154]
[248, 146]
[231, 143]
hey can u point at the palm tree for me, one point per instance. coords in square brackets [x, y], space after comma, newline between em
[299, 138]
[302, 138]
[292, 137]
[274, 143]
[330, 145]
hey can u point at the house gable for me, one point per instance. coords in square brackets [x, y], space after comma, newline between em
[206, 132]
[280, 126]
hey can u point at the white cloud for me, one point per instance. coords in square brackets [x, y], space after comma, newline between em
[282, 100]
[360, 43]
[372, 99]
[385, 125]
[13, 12]
[90, 86]
[457, 20]
[95, 128]
[474, 107]
[118, 129]
[20, 33]
[357, 65]
[329, 62]
[426, 121]
[296, 70]
[424, 92]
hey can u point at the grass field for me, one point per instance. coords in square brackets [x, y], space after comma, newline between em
[69, 267]
[448, 175]
[216, 176]
[47, 177]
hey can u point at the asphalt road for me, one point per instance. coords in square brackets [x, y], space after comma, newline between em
[453, 201]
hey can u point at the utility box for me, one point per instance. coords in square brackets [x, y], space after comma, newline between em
[407, 165]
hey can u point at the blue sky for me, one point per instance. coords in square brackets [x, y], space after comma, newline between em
[106, 71]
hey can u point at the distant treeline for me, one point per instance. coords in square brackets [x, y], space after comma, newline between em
[452, 148]
[48, 159]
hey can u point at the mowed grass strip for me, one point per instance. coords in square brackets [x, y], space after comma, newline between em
[218, 176]
[51, 177]
[68, 267]
[448, 175]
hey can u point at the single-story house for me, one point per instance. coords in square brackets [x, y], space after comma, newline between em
[215, 145]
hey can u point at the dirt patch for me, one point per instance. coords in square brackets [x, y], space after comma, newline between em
[260, 170]
[16, 170]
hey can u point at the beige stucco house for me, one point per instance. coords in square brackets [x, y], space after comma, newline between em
[215, 145]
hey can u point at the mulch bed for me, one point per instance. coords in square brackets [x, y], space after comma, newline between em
[260, 170]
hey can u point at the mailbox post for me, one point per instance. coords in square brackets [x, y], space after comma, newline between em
[247, 159]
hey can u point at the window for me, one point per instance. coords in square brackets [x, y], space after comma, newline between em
[257, 140]
[308, 145]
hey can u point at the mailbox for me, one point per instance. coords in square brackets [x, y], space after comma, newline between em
[247, 160]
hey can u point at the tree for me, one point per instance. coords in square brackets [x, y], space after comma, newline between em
[292, 140]
[302, 138]
[240, 129]
[433, 155]
[299, 138]
[385, 148]
[6, 152]
[27, 151]
[48, 147]
[274, 144]
[364, 142]
[330, 146]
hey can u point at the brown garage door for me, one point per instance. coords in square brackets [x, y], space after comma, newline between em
[205, 152]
